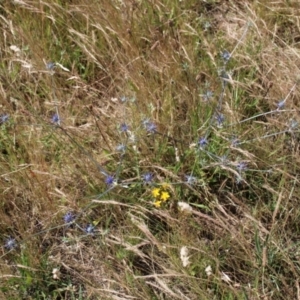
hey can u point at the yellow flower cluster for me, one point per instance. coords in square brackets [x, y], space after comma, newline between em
[161, 195]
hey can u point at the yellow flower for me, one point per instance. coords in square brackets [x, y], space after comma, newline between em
[155, 192]
[164, 196]
[157, 203]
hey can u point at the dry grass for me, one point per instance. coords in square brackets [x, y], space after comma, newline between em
[237, 237]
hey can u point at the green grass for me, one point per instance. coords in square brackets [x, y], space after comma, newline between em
[240, 188]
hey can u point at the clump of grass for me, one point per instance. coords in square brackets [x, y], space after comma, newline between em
[149, 150]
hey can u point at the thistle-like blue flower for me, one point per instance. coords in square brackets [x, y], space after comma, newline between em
[10, 243]
[235, 142]
[124, 127]
[220, 119]
[241, 166]
[207, 95]
[293, 125]
[147, 177]
[123, 99]
[191, 180]
[225, 56]
[69, 217]
[90, 229]
[121, 148]
[3, 118]
[110, 180]
[55, 119]
[50, 65]
[149, 126]
[202, 142]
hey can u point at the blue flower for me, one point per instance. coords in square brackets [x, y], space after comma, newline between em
[123, 99]
[293, 125]
[121, 148]
[202, 142]
[189, 179]
[235, 142]
[207, 95]
[90, 229]
[149, 126]
[225, 76]
[123, 127]
[241, 166]
[3, 118]
[55, 119]
[10, 243]
[69, 217]
[220, 119]
[147, 177]
[50, 65]
[280, 104]
[110, 180]
[225, 56]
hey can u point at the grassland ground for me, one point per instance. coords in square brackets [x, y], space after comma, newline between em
[149, 149]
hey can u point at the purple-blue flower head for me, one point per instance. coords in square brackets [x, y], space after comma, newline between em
[149, 126]
[207, 95]
[10, 243]
[225, 76]
[3, 118]
[189, 179]
[124, 127]
[69, 217]
[50, 65]
[225, 56]
[90, 229]
[55, 119]
[147, 177]
[235, 142]
[121, 148]
[241, 166]
[202, 142]
[123, 99]
[220, 119]
[110, 180]
[293, 125]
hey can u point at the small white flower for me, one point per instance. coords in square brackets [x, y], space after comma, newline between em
[185, 207]
[26, 65]
[177, 157]
[14, 48]
[208, 271]
[56, 273]
[184, 256]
